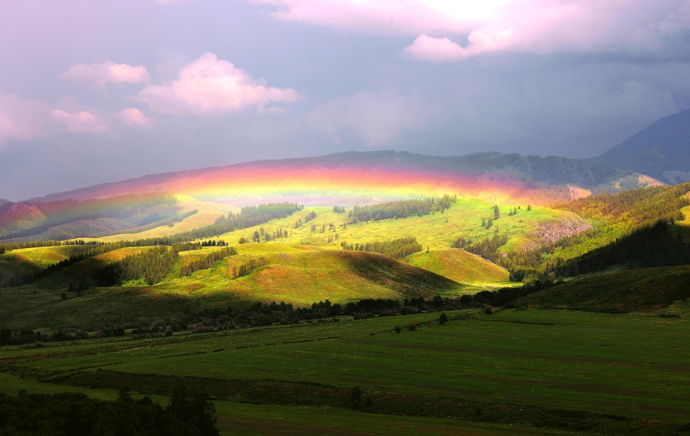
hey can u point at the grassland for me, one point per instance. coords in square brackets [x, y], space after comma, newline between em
[516, 366]
[300, 275]
[623, 290]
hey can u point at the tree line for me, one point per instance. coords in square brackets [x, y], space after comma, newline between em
[151, 265]
[401, 209]
[395, 248]
[188, 413]
[206, 262]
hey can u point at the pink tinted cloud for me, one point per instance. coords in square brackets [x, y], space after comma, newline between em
[79, 122]
[534, 26]
[133, 117]
[211, 87]
[106, 72]
[21, 119]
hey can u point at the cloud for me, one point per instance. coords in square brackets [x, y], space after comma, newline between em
[79, 122]
[106, 72]
[378, 118]
[212, 87]
[133, 117]
[21, 119]
[537, 26]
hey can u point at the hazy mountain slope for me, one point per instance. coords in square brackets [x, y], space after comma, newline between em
[661, 150]
[480, 174]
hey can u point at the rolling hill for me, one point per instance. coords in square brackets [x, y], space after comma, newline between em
[165, 204]
[661, 150]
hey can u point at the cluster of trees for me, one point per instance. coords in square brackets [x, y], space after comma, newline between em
[151, 265]
[650, 246]
[268, 235]
[250, 216]
[262, 314]
[188, 413]
[35, 339]
[310, 216]
[207, 261]
[395, 248]
[4, 248]
[401, 209]
[636, 228]
[486, 248]
[339, 209]
[247, 268]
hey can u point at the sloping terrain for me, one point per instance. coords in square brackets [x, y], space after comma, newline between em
[661, 150]
[460, 266]
[647, 289]
[360, 178]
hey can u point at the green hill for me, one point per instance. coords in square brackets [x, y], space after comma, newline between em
[647, 289]
[461, 266]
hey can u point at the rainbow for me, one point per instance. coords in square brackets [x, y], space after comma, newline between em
[318, 184]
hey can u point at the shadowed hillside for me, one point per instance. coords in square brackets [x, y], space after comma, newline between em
[617, 291]
[661, 150]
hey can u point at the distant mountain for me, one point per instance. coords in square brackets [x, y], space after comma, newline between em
[351, 178]
[662, 150]
[3, 201]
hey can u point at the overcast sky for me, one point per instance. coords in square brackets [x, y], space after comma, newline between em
[98, 91]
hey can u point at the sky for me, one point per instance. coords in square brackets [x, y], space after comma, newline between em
[93, 92]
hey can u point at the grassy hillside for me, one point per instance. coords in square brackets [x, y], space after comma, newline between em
[647, 289]
[297, 275]
[461, 266]
[530, 371]
[437, 230]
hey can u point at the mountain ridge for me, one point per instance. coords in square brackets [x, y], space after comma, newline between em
[660, 150]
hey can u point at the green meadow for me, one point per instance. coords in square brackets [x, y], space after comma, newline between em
[514, 372]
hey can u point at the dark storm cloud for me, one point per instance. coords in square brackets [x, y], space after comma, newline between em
[99, 91]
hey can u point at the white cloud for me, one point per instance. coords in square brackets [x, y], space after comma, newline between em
[133, 117]
[536, 26]
[378, 118]
[21, 119]
[79, 122]
[106, 72]
[211, 87]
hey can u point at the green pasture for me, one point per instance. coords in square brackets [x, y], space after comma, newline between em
[630, 365]
[437, 231]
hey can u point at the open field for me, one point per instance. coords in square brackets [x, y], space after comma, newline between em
[543, 361]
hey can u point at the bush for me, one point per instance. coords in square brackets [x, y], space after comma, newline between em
[397, 329]
[442, 319]
[488, 310]
[412, 327]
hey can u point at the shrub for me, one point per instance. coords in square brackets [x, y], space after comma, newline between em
[397, 329]
[488, 310]
[412, 326]
[442, 319]
[356, 394]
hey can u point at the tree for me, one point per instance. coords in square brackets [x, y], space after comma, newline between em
[194, 411]
[497, 213]
[356, 395]
[442, 319]
[63, 296]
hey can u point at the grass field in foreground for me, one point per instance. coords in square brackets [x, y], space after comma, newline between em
[629, 365]
[255, 419]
